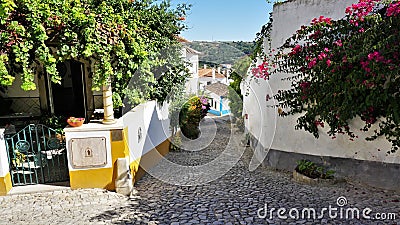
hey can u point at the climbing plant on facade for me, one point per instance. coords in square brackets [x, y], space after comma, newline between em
[116, 36]
[344, 69]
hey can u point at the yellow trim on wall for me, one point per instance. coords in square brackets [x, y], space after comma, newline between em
[105, 177]
[136, 171]
[101, 177]
[5, 184]
[120, 149]
[94, 178]
[149, 160]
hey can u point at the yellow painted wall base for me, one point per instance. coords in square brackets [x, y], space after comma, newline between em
[149, 160]
[101, 177]
[94, 178]
[105, 177]
[5, 184]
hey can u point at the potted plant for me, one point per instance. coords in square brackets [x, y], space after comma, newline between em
[75, 122]
[56, 122]
[309, 172]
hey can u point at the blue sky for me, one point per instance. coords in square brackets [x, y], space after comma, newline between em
[225, 20]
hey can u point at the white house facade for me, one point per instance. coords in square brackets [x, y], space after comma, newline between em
[219, 103]
[191, 56]
[274, 139]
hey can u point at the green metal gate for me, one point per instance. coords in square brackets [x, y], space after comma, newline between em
[37, 155]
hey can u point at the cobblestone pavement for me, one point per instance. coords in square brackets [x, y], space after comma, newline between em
[235, 198]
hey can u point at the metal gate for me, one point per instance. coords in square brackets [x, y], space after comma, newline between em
[37, 155]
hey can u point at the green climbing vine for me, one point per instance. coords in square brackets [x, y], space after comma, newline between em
[117, 37]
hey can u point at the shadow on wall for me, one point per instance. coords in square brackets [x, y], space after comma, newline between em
[149, 133]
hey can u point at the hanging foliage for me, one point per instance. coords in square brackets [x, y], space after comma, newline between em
[116, 36]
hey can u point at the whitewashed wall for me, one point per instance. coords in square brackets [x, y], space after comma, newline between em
[216, 100]
[192, 85]
[278, 133]
[4, 166]
[148, 127]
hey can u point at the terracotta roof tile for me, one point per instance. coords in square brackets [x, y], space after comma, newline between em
[208, 73]
[192, 51]
[181, 39]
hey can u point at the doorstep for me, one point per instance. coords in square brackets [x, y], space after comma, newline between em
[39, 188]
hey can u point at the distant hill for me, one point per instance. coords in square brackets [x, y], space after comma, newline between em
[222, 52]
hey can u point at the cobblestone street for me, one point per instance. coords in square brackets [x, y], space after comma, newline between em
[235, 198]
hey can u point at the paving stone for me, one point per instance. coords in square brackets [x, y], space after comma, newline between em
[234, 198]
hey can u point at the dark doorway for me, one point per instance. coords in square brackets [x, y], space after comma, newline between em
[69, 97]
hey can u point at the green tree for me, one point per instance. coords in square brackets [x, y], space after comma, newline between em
[235, 96]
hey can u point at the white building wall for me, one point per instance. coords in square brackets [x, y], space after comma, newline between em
[4, 166]
[216, 100]
[192, 85]
[148, 127]
[278, 133]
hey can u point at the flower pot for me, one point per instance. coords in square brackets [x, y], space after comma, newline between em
[75, 122]
[300, 178]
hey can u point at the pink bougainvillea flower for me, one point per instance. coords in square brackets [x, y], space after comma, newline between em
[319, 123]
[295, 50]
[315, 35]
[320, 20]
[254, 71]
[376, 56]
[365, 66]
[328, 62]
[261, 71]
[339, 43]
[203, 100]
[361, 9]
[312, 63]
[322, 56]
[393, 9]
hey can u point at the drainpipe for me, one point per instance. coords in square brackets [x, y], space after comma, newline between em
[108, 104]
